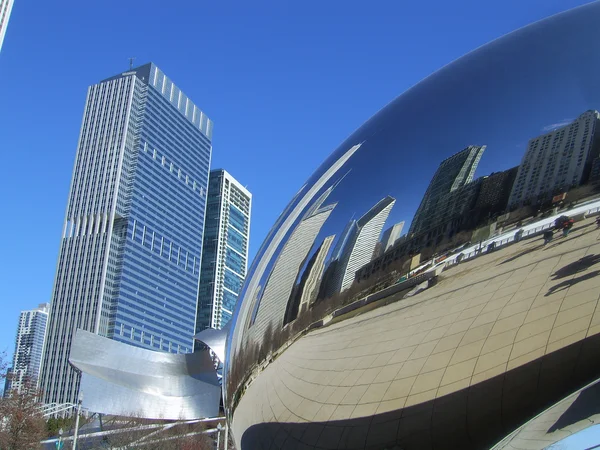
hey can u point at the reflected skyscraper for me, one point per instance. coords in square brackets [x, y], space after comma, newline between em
[225, 249]
[315, 273]
[305, 293]
[129, 259]
[272, 305]
[453, 174]
[358, 249]
[301, 200]
[29, 344]
[5, 10]
[557, 160]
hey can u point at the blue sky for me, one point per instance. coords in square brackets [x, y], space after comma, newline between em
[284, 83]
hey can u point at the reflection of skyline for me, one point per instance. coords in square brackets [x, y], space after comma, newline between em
[358, 246]
[306, 291]
[278, 289]
[273, 241]
[452, 174]
[557, 160]
[391, 235]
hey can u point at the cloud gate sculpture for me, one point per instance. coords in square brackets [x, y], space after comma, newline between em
[418, 292]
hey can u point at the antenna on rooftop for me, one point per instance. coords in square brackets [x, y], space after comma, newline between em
[131, 62]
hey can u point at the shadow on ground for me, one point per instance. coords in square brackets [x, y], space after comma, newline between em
[575, 267]
[568, 283]
[586, 405]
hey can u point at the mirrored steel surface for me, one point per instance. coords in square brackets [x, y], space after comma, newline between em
[123, 380]
[215, 340]
[405, 297]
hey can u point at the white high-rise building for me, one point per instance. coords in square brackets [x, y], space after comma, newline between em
[129, 259]
[556, 160]
[224, 251]
[5, 10]
[29, 345]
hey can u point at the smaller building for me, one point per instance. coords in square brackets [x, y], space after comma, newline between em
[29, 345]
[224, 250]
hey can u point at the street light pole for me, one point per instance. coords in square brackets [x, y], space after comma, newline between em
[79, 400]
[226, 434]
[59, 444]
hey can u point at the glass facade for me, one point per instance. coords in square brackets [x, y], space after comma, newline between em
[225, 250]
[130, 256]
[29, 345]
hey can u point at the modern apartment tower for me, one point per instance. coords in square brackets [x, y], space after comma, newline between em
[29, 345]
[557, 160]
[225, 249]
[129, 260]
[451, 176]
[5, 10]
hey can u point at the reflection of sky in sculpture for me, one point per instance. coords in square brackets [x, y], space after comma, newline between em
[501, 96]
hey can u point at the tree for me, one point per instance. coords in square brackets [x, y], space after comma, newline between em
[130, 434]
[22, 425]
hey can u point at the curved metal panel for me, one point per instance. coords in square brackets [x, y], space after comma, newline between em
[124, 380]
[406, 295]
[215, 340]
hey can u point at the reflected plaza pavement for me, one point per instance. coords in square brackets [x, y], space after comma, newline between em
[479, 350]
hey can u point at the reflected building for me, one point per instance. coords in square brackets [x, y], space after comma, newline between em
[29, 345]
[5, 10]
[276, 236]
[449, 191]
[307, 290]
[129, 258]
[359, 245]
[224, 251]
[391, 235]
[272, 305]
[557, 161]
[495, 192]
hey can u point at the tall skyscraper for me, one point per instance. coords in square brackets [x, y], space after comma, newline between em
[129, 259]
[453, 174]
[225, 249]
[557, 160]
[29, 345]
[5, 10]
